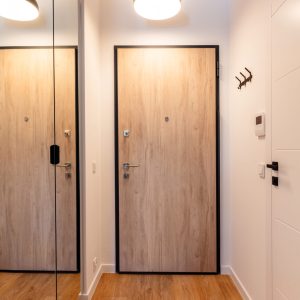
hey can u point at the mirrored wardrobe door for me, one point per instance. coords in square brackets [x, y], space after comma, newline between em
[27, 178]
[66, 137]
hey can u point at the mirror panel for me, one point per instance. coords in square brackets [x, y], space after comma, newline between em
[66, 129]
[27, 185]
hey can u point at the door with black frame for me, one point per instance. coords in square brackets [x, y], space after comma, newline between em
[167, 159]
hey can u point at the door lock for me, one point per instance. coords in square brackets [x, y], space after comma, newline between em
[126, 133]
[68, 133]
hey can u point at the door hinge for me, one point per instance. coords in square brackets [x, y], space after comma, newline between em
[54, 155]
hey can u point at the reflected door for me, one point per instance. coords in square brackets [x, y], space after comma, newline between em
[27, 185]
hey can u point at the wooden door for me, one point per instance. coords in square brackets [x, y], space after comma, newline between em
[286, 151]
[166, 99]
[27, 179]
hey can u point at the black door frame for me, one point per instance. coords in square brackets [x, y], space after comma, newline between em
[117, 211]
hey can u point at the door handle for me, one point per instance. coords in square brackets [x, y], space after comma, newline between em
[127, 166]
[274, 166]
[67, 165]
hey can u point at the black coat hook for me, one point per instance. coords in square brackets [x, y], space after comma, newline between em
[246, 79]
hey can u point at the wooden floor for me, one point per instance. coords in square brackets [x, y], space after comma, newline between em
[166, 287]
[38, 286]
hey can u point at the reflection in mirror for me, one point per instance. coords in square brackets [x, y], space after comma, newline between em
[27, 179]
[39, 202]
[66, 134]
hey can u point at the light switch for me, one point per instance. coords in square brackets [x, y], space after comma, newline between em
[261, 170]
[94, 167]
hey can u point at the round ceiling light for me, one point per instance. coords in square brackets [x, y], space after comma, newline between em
[157, 9]
[19, 10]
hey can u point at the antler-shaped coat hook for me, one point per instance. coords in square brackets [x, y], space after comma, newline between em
[246, 79]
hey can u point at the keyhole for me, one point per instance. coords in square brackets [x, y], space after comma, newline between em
[26, 119]
[167, 119]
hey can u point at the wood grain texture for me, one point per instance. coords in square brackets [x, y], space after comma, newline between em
[27, 211]
[65, 119]
[20, 286]
[27, 185]
[168, 205]
[164, 287]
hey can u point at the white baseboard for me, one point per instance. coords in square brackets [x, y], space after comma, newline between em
[108, 268]
[103, 269]
[227, 270]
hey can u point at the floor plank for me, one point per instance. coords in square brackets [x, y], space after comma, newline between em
[166, 287]
[38, 286]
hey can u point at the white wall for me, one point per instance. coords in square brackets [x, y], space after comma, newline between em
[91, 141]
[200, 22]
[114, 22]
[249, 47]
[40, 31]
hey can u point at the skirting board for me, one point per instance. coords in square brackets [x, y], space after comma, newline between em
[103, 269]
[227, 270]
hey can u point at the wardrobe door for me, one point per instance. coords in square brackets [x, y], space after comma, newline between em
[27, 177]
[65, 57]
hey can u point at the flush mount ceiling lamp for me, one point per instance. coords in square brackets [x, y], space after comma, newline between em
[19, 10]
[157, 9]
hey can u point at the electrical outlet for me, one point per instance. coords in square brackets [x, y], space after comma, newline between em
[95, 264]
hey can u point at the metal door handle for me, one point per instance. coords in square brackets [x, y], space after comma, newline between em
[127, 166]
[66, 165]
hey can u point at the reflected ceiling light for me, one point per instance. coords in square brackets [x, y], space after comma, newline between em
[157, 9]
[19, 10]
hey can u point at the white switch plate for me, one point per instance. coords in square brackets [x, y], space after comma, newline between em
[95, 264]
[260, 125]
[94, 167]
[261, 170]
